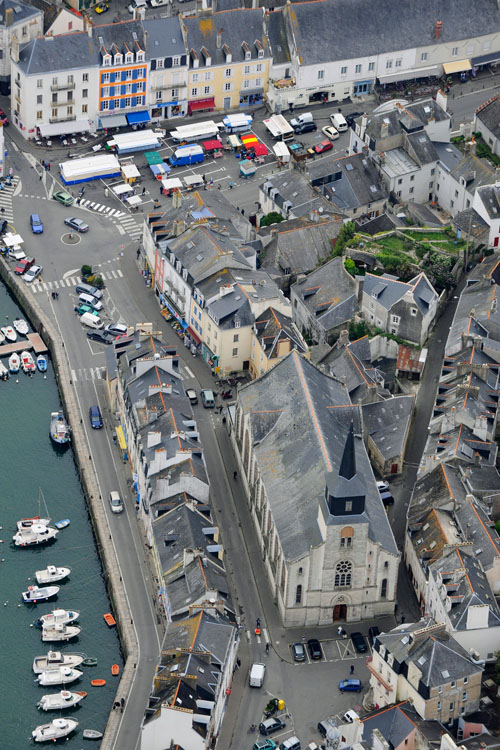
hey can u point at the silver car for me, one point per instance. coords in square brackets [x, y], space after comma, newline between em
[116, 502]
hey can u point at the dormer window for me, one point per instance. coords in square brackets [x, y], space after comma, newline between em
[140, 56]
[106, 60]
[129, 58]
[118, 59]
[195, 60]
[246, 51]
[228, 54]
[260, 48]
[260, 54]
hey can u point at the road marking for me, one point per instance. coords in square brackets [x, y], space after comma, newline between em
[120, 273]
[70, 273]
[189, 372]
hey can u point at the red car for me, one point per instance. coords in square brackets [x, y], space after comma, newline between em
[3, 118]
[320, 148]
[23, 266]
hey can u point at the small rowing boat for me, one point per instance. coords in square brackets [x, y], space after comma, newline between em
[89, 661]
[110, 620]
[62, 524]
[98, 683]
[92, 734]
[115, 669]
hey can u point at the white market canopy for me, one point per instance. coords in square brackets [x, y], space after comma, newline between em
[130, 171]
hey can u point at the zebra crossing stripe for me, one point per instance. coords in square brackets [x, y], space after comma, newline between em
[73, 281]
[120, 273]
[102, 208]
[73, 376]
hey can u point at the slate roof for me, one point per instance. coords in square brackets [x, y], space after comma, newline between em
[489, 115]
[278, 38]
[392, 722]
[412, 25]
[411, 117]
[350, 182]
[292, 186]
[388, 290]
[299, 244]
[164, 37]
[192, 584]
[387, 423]
[272, 327]
[490, 197]
[351, 366]
[78, 50]
[438, 657]
[422, 148]
[184, 528]
[22, 11]
[329, 294]
[237, 26]
[299, 434]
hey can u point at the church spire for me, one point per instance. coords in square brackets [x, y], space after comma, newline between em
[348, 463]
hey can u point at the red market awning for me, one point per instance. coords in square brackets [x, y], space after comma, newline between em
[260, 149]
[214, 145]
[202, 104]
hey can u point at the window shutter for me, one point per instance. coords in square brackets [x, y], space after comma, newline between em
[168, 62]
[153, 64]
[183, 59]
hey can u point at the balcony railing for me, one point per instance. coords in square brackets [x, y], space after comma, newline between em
[65, 103]
[62, 86]
[283, 83]
[379, 677]
[68, 118]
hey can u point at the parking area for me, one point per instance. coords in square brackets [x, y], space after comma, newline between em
[332, 650]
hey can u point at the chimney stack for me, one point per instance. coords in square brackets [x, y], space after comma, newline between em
[219, 39]
[438, 29]
[9, 16]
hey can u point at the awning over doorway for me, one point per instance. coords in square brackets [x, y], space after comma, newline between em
[113, 121]
[492, 57]
[409, 75]
[63, 128]
[135, 118]
[456, 67]
[202, 104]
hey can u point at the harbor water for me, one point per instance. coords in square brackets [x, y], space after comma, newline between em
[29, 461]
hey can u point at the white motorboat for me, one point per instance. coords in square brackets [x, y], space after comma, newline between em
[54, 730]
[21, 326]
[14, 362]
[41, 363]
[27, 362]
[9, 333]
[57, 633]
[2, 336]
[28, 523]
[54, 659]
[57, 617]
[51, 574]
[59, 676]
[60, 700]
[35, 594]
[4, 371]
[60, 431]
[37, 534]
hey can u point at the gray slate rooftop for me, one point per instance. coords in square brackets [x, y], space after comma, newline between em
[237, 26]
[387, 422]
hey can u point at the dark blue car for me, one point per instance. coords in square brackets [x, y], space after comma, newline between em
[95, 417]
[36, 224]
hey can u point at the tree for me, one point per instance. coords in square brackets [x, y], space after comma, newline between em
[358, 329]
[271, 218]
[346, 234]
[86, 270]
[350, 266]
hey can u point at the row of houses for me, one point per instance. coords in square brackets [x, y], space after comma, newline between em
[226, 56]
[160, 440]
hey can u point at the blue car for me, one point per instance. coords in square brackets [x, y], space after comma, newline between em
[352, 686]
[95, 417]
[36, 224]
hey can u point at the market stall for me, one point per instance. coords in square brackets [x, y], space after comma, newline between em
[130, 173]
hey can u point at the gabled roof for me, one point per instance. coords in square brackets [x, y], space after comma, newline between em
[299, 245]
[489, 115]
[388, 422]
[325, 290]
[392, 722]
[236, 27]
[272, 327]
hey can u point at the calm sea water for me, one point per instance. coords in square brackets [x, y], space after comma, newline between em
[29, 461]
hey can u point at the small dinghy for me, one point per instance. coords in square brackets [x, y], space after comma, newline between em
[35, 594]
[89, 661]
[55, 730]
[55, 659]
[9, 333]
[60, 633]
[14, 362]
[59, 701]
[92, 734]
[21, 326]
[27, 362]
[41, 363]
[110, 620]
[115, 669]
[98, 683]
[62, 524]
[59, 676]
[51, 574]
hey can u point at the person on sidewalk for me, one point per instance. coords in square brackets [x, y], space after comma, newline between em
[352, 669]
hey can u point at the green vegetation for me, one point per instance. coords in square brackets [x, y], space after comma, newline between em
[484, 152]
[271, 218]
[358, 329]
[350, 266]
[396, 263]
[86, 270]
[346, 234]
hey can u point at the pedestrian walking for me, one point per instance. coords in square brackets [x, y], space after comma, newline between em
[122, 704]
[211, 183]
[231, 183]
[267, 649]
[339, 630]
[352, 669]
[403, 618]
[41, 175]
[235, 475]
[204, 178]
[144, 191]
[138, 253]
[11, 172]
[238, 662]
[48, 166]
[43, 163]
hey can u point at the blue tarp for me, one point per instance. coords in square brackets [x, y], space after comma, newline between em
[134, 118]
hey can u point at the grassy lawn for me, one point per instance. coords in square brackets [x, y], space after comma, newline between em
[423, 236]
[393, 243]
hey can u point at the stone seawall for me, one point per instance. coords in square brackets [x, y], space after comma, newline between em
[45, 327]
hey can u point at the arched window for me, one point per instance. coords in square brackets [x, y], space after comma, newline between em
[298, 594]
[346, 536]
[343, 573]
[383, 588]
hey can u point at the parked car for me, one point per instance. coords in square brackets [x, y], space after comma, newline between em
[36, 224]
[320, 148]
[350, 686]
[314, 647]
[268, 726]
[352, 117]
[298, 651]
[95, 418]
[350, 716]
[306, 127]
[359, 643]
[373, 632]
[32, 273]
[191, 394]
[387, 499]
[265, 745]
[101, 8]
[331, 132]
[78, 224]
[103, 337]
[23, 266]
[63, 197]
[118, 329]
[3, 118]
[116, 502]
[207, 398]
[382, 486]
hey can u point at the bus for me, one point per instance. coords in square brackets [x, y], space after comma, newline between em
[201, 131]
[279, 128]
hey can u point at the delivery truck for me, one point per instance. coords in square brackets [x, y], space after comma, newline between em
[185, 155]
[257, 674]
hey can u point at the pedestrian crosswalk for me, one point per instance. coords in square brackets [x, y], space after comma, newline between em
[100, 208]
[125, 223]
[71, 281]
[88, 373]
[6, 193]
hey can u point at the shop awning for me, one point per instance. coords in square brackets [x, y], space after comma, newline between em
[202, 104]
[135, 118]
[113, 121]
[122, 189]
[457, 67]
[134, 200]
[249, 92]
[64, 128]
[492, 57]
[193, 335]
[412, 74]
[234, 141]
[153, 157]
[121, 438]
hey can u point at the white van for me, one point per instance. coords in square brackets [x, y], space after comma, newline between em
[350, 716]
[91, 321]
[338, 120]
[301, 119]
[137, 4]
[88, 299]
[257, 674]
